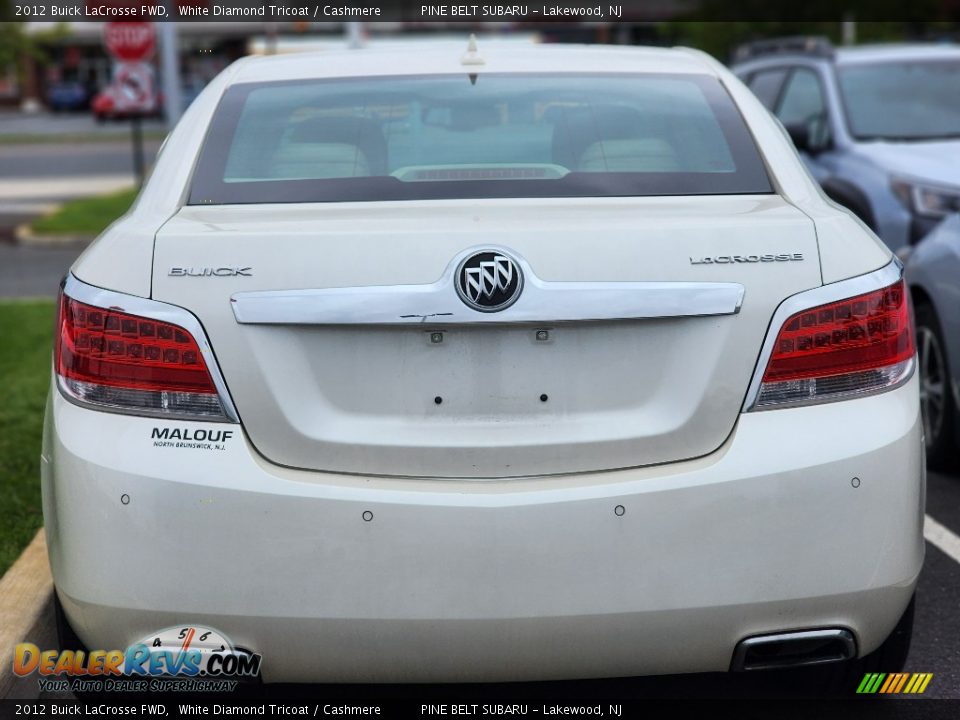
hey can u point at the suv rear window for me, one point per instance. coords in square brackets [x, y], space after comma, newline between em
[486, 136]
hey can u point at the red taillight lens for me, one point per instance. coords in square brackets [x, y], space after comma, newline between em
[861, 344]
[125, 362]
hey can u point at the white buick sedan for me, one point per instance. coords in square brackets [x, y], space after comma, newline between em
[483, 364]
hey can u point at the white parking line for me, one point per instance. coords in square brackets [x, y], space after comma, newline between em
[941, 537]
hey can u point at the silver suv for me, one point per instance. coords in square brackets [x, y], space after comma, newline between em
[877, 126]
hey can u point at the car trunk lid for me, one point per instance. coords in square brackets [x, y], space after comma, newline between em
[507, 394]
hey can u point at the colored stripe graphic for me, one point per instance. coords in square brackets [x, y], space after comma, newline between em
[894, 683]
[891, 681]
[870, 683]
[903, 681]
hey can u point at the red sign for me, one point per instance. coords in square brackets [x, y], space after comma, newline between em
[129, 41]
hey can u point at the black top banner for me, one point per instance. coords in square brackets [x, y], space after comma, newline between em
[478, 13]
[428, 707]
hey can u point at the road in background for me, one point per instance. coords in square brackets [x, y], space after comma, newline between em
[36, 176]
[54, 124]
[45, 160]
[34, 272]
[105, 159]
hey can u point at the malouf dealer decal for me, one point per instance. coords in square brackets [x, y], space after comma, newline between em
[197, 439]
[730, 259]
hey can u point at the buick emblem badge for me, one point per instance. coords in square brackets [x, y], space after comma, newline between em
[489, 281]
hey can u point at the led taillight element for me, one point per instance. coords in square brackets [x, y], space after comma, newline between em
[110, 358]
[854, 346]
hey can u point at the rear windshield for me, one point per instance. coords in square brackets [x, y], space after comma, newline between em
[486, 136]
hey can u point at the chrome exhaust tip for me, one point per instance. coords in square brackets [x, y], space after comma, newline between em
[794, 649]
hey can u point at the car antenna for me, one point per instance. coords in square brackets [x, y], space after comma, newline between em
[472, 57]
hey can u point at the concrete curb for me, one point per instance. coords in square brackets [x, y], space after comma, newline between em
[24, 235]
[26, 615]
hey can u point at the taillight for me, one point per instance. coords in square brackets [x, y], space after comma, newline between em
[127, 363]
[843, 349]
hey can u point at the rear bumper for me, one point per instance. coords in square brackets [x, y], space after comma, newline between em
[654, 570]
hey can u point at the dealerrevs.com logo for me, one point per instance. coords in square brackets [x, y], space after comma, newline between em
[189, 658]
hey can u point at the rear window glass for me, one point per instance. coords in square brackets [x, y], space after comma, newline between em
[486, 136]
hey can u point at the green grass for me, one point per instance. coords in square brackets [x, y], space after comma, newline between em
[26, 330]
[89, 216]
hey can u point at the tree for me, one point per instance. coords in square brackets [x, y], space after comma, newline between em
[718, 26]
[17, 46]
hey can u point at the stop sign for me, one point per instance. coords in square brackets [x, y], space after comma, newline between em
[129, 41]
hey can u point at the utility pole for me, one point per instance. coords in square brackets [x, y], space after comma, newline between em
[849, 30]
[271, 33]
[170, 68]
[354, 35]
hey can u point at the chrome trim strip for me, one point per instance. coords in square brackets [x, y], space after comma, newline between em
[845, 637]
[885, 276]
[163, 312]
[438, 303]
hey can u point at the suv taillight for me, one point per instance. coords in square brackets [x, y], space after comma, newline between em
[855, 346]
[126, 363]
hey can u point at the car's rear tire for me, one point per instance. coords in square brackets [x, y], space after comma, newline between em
[66, 638]
[892, 655]
[936, 390]
[842, 679]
